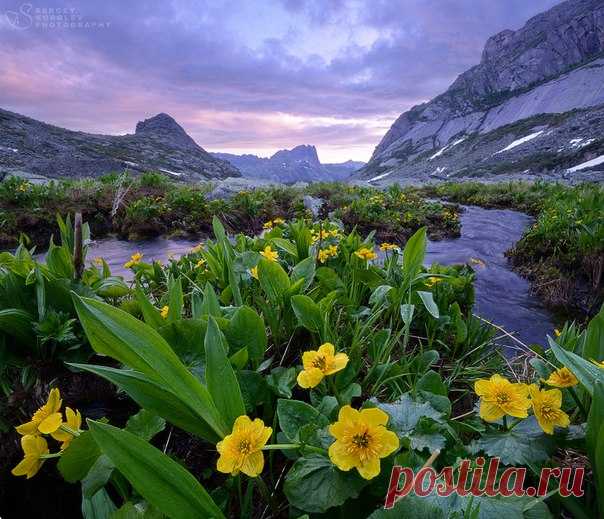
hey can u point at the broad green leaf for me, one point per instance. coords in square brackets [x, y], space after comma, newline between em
[286, 246]
[304, 270]
[175, 299]
[273, 280]
[17, 323]
[414, 253]
[308, 313]
[282, 380]
[294, 414]
[380, 295]
[155, 398]
[119, 335]
[210, 305]
[163, 482]
[593, 347]
[98, 506]
[97, 476]
[246, 329]
[145, 424]
[220, 377]
[79, 457]
[586, 372]
[315, 485]
[428, 300]
[112, 287]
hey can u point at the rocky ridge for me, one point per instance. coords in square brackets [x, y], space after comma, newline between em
[158, 144]
[533, 106]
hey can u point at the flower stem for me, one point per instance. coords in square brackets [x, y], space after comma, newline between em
[69, 430]
[578, 402]
[49, 456]
[281, 446]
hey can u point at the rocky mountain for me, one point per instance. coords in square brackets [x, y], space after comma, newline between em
[534, 105]
[158, 144]
[288, 166]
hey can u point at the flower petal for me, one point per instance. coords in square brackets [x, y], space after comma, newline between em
[490, 412]
[310, 378]
[388, 441]
[339, 456]
[339, 363]
[308, 359]
[227, 464]
[253, 464]
[482, 387]
[369, 469]
[54, 402]
[26, 466]
[374, 416]
[28, 428]
[327, 349]
[50, 424]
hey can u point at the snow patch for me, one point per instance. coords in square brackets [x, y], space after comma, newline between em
[519, 142]
[447, 147]
[133, 164]
[439, 170]
[170, 172]
[14, 150]
[383, 175]
[589, 164]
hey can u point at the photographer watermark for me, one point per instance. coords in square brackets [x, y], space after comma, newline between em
[476, 479]
[52, 18]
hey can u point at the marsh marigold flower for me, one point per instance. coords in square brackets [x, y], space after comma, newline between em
[241, 451]
[201, 263]
[135, 259]
[361, 440]
[388, 246]
[499, 397]
[557, 332]
[254, 272]
[46, 419]
[546, 407]
[164, 312]
[433, 281]
[278, 221]
[74, 422]
[270, 254]
[320, 363]
[562, 377]
[366, 254]
[34, 447]
[267, 225]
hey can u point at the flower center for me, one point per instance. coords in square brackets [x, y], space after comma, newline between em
[320, 363]
[361, 441]
[502, 398]
[245, 446]
[548, 412]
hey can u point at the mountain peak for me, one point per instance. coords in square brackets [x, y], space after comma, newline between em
[303, 152]
[165, 127]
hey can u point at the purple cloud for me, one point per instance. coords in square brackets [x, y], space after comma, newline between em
[244, 76]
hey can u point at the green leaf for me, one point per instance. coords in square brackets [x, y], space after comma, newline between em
[294, 414]
[246, 329]
[593, 347]
[145, 424]
[304, 270]
[175, 299]
[151, 314]
[525, 444]
[160, 480]
[97, 476]
[380, 295]
[594, 439]
[17, 323]
[308, 313]
[407, 313]
[220, 377]
[282, 380]
[78, 458]
[315, 485]
[112, 287]
[428, 300]
[210, 305]
[273, 280]
[98, 506]
[155, 398]
[119, 335]
[586, 372]
[414, 253]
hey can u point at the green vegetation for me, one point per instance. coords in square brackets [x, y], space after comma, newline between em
[279, 375]
[563, 252]
[151, 205]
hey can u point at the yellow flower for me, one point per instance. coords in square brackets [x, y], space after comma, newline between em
[432, 281]
[599, 364]
[498, 397]
[46, 419]
[200, 263]
[361, 440]
[164, 312]
[320, 363]
[197, 248]
[388, 246]
[74, 422]
[333, 250]
[270, 254]
[323, 255]
[267, 225]
[546, 406]
[562, 377]
[278, 221]
[135, 259]
[320, 235]
[254, 272]
[33, 448]
[557, 332]
[98, 261]
[241, 451]
[334, 233]
[366, 254]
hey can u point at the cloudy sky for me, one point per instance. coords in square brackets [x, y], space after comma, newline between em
[243, 76]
